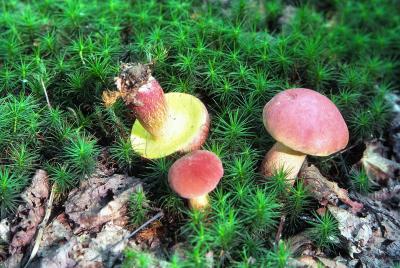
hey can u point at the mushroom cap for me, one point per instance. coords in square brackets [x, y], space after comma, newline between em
[186, 128]
[306, 121]
[195, 174]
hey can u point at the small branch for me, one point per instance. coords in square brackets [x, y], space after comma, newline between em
[280, 229]
[45, 93]
[42, 227]
[144, 225]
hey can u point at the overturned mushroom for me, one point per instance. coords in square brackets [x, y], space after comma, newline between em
[166, 123]
[195, 175]
[303, 122]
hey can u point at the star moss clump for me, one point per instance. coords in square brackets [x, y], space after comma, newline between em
[234, 56]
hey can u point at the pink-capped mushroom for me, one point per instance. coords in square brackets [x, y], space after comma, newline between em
[303, 122]
[194, 175]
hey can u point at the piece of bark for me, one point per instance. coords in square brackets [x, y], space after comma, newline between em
[29, 214]
[326, 191]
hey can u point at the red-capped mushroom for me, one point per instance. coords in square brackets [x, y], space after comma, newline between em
[303, 122]
[195, 175]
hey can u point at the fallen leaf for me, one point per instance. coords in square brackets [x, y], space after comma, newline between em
[30, 213]
[356, 230]
[98, 200]
[88, 233]
[376, 164]
[304, 261]
[326, 191]
[331, 263]
[83, 250]
[57, 232]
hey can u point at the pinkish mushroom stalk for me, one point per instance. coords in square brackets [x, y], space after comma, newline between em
[303, 122]
[195, 175]
[144, 95]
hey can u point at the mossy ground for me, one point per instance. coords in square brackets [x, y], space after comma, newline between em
[233, 55]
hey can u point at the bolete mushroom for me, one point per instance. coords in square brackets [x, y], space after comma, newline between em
[194, 175]
[166, 123]
[303, 122]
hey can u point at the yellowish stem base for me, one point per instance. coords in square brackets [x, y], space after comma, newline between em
[199, 203]
[280, 156]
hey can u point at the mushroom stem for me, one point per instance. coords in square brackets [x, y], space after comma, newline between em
[199, 203]
[143, 94]
[150, 107]
[281, 156]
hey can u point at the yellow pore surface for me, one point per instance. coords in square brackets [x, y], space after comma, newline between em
[186, 117]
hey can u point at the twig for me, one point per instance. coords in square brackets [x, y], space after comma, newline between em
[280, 229]
[45, 93]
[42, 227]
[144, 225]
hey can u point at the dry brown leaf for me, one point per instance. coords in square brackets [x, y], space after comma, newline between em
[331, 263]
[357, 231]
[96, 207]
[30, 214]
[98, 200]
[57, 232]
[375, 162]
[306, 261]
[84, 250]
[326, 191]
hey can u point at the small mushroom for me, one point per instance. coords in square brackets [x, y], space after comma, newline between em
[194, 175]
[166, 123]
[303, 122]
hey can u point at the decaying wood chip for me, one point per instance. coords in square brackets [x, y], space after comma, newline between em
[326, 191]
[30, 213]
[375, 162]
